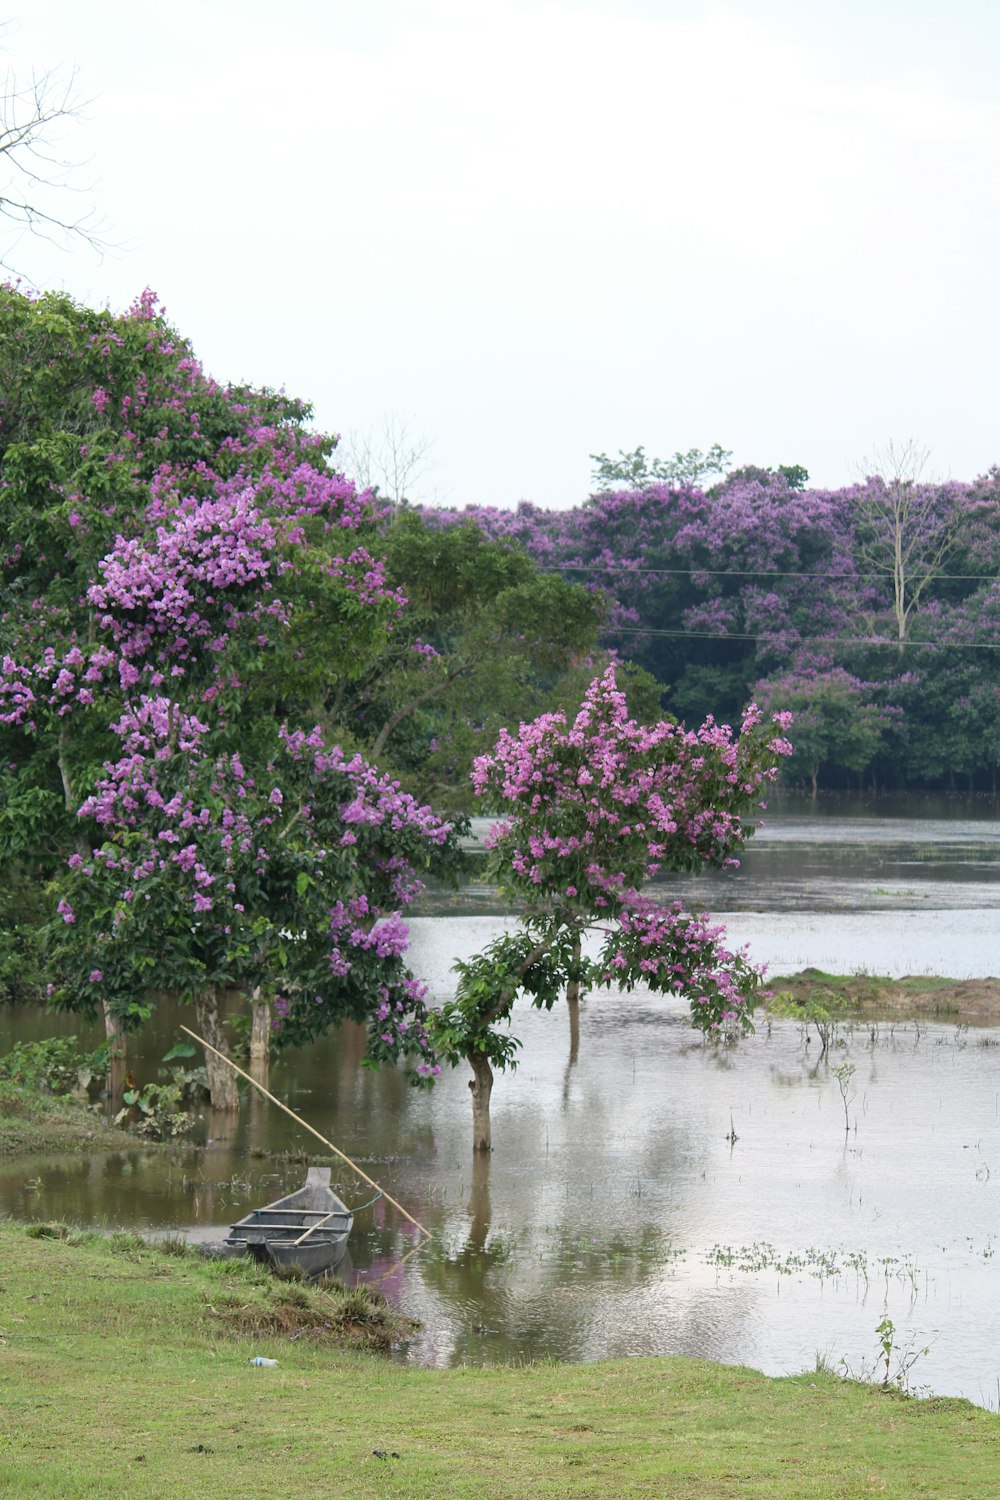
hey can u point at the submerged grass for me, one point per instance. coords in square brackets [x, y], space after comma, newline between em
[822, 1264]
[123, 1377]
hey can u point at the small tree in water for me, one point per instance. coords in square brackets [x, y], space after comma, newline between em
[592, 810]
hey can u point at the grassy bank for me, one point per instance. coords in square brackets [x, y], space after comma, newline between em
[34, 1121]
[125, 1373]
[876, 997]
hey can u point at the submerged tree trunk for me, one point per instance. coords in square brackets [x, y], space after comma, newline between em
[221, 1078]
[115, 1033]
[479, 1201]
[573, 1002]
[481, 1086]
[260, 1037]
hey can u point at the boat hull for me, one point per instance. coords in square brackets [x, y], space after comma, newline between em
[306, 1230]
[310, 1257]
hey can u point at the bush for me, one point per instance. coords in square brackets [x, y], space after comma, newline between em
[55, 1065]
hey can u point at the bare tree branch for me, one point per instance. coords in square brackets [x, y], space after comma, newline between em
[392, 459]
[907, 528]
[34, 175]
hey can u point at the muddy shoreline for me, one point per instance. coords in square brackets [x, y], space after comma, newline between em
[971, 1002]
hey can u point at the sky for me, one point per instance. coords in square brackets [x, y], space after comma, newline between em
[526, 231]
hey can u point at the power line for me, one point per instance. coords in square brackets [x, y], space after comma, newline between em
[756, 573]
[809, 640]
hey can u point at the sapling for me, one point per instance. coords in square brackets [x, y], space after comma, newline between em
[843, 1075]
[591, 809]
[890, 1350]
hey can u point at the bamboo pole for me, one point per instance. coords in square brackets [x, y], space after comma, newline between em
[324, 1220]
[306, 1126]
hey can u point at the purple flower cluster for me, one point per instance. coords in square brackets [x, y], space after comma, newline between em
[596, 807]
[183, 570]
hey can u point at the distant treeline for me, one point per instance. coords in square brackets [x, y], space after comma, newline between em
[871, 611]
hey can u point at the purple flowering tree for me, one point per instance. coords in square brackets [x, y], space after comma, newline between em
[591, 809]
[713, 589]
[282, 879]
[183, 574]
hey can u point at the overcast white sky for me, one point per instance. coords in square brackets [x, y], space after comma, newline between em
[536, 229]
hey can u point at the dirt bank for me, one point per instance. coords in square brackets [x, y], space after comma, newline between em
[973, 1002]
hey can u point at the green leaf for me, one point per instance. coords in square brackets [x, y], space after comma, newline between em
[182, 1049]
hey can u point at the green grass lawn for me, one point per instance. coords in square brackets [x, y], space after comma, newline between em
[124, 1373]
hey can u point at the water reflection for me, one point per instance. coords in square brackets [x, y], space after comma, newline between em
[648, 1195]
[590, 1231]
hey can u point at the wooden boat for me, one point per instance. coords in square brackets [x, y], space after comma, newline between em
[307, 1229]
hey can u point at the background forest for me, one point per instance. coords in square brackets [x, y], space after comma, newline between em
[241, 697]
[870, 612]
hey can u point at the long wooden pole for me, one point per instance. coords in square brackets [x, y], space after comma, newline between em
[306, 1126]
[324, 1220]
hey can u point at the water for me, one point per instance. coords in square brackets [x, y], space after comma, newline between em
[649, 1195]
[843, 887]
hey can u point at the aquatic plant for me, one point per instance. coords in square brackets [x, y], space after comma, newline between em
[843, 1075]
[893, 1363]
[56, 1064]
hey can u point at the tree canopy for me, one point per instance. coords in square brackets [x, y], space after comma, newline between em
[591, 808]
[204, 638]
[715, 588]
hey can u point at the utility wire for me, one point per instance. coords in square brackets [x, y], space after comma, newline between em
[758, 573]
[808, 640]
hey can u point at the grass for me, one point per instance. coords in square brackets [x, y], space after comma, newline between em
[35, 1121]
[124, 1373]
[876, 996]
[246, 1300]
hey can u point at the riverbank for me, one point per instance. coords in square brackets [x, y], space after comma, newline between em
[35, 1122]
[972, 1002]
[127, 1374]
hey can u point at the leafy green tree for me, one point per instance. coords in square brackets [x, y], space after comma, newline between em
[281, 878]
[486, 640]
[837, 723]
[171, 547]
[634, 471]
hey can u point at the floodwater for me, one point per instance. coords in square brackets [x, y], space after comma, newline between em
[649, 1194]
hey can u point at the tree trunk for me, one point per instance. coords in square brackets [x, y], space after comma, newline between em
[481, 1086]
[573, 1004]
[257, 1122]
[221, 1078]
[573, 1001]
[115, 1034]
[260, 1037]
[479, 1202]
